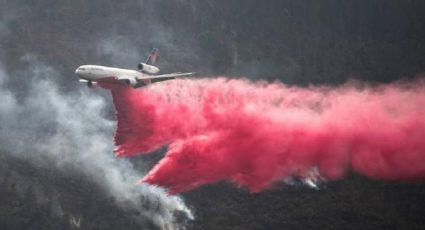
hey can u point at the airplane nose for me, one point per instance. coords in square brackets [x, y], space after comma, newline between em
[77, 71]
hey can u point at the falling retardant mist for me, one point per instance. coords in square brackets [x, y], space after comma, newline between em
[256, 134]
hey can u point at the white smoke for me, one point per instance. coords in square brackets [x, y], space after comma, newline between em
[70, 131]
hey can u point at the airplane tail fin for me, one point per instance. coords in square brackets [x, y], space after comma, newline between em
[153, 57]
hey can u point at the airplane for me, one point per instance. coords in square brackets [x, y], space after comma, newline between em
[143, 76]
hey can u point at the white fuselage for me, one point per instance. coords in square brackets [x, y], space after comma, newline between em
[96, 72]
[146, 74]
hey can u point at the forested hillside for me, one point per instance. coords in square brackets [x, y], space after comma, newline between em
[320, 42]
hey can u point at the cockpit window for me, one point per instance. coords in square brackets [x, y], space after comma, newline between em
[81, 68]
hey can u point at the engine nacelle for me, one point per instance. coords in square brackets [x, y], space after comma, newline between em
[145, 68]
[92, 84]
[129, 81]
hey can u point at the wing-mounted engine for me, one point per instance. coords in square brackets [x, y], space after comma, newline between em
[128, 81]
[149, 69]
[90, 84]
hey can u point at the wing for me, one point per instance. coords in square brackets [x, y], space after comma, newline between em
[164, 77]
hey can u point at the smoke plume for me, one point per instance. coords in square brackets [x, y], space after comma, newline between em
[256, 134]
[70, 131]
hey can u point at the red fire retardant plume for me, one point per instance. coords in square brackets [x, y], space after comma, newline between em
[255, 134]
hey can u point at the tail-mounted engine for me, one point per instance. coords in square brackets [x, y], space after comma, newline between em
[149, 69]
